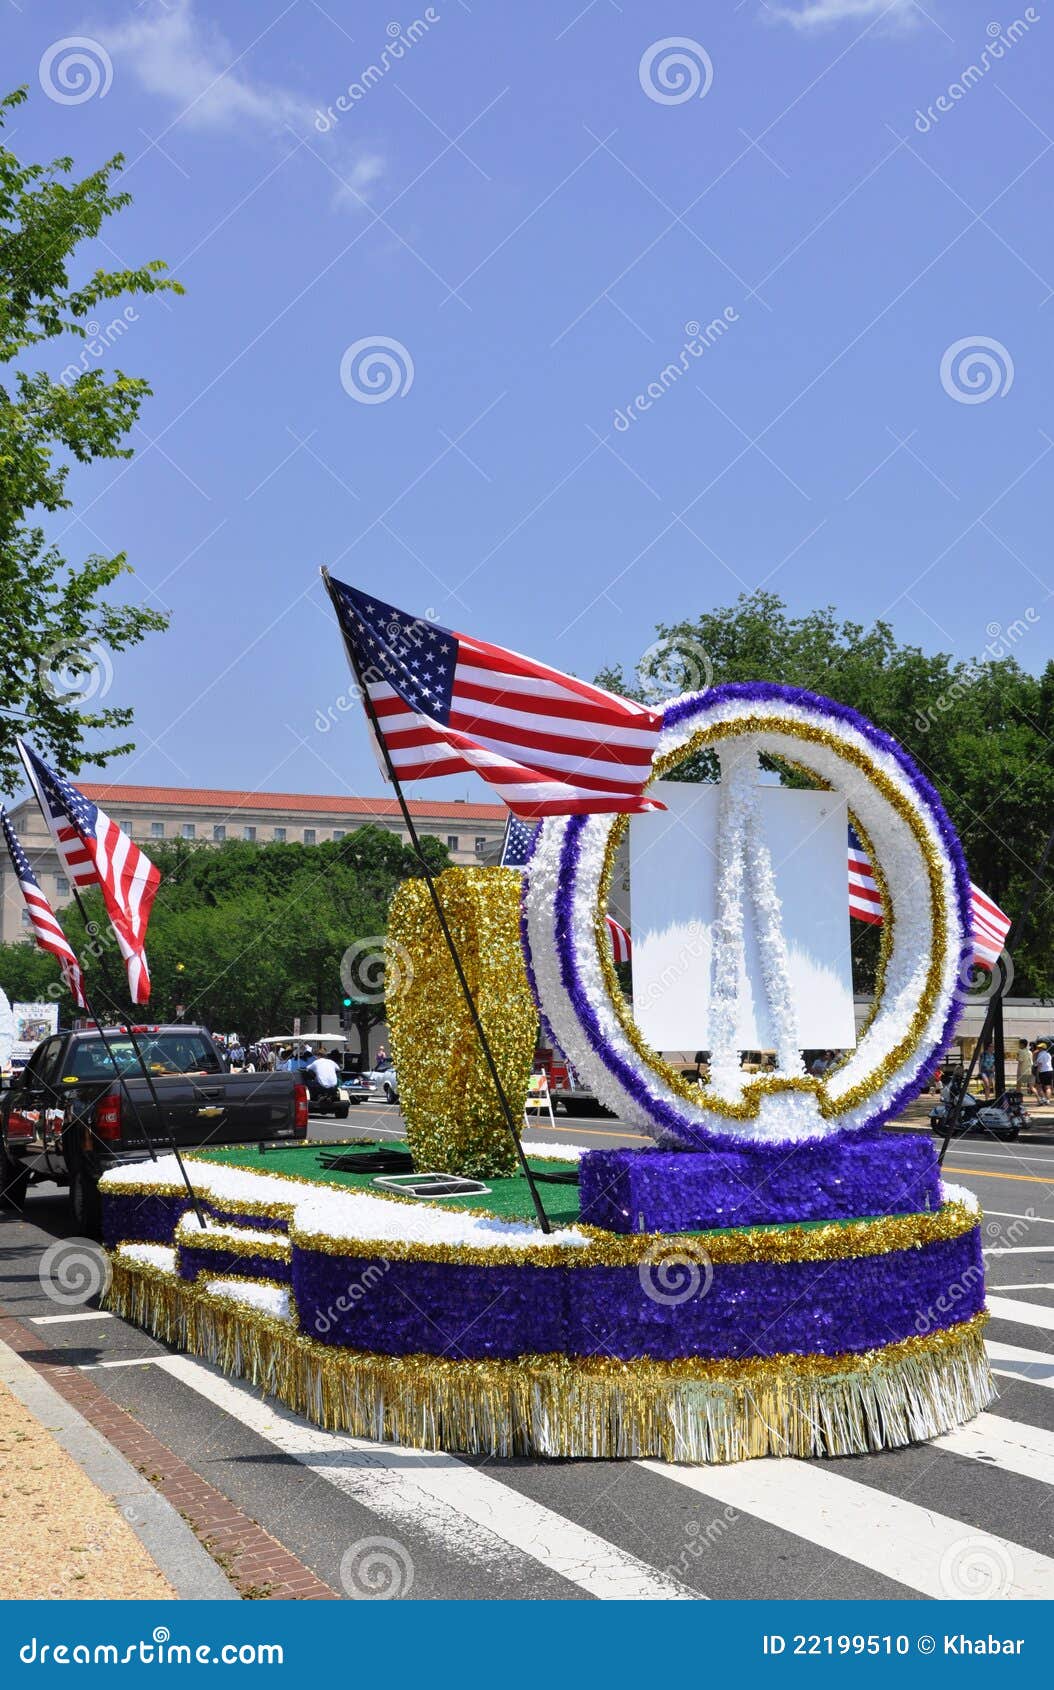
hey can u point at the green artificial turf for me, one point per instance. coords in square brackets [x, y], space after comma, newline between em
[509, 1198]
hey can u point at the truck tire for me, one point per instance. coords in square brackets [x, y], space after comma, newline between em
[14, 1182]
[342, 1111]
[86, 1204]
[389, 1094]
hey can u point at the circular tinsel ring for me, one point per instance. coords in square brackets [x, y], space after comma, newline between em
[926, 939]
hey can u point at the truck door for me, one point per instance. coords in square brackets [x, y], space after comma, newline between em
[38, 1107]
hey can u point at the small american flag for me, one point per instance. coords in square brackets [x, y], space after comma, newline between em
[621, 943]
[990, 924]
[46, 928]
[518, 843]
[550, 744]
[96, 852]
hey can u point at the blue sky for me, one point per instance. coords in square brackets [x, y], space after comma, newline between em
[533, 203]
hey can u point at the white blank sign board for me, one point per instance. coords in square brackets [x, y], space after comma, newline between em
[673, 886]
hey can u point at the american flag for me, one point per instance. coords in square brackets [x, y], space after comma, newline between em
[552, 745]
[46, 929]
[96, 852]
[516, 853]
[990, 924]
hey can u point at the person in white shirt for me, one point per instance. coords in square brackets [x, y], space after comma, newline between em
[324, 1072]
[1044, 1067]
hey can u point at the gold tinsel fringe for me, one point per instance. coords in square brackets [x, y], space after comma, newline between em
[690, 1411]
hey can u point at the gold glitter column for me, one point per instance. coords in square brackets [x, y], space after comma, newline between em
[453, 1118]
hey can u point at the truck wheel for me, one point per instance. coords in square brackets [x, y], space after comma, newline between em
[343, 1111]
[86, 1204]
[14, 1183]
[389, 1095]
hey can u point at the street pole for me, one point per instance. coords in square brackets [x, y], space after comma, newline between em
[995, 1002]
[466, 990]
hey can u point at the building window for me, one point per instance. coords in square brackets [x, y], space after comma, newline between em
[481, 844]
[219, 833]
[189, 830]
[453, 843]
[309, 836]
[249, 833]
[157, 830]
[26, 918]
[125, 825]
[62, 886]
[338, 833]
[279, 834]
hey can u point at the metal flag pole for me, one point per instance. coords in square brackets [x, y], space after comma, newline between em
[114, 1004]
[466, 990]
[995, 1002]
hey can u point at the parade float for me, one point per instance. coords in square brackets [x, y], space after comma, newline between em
[772, 1275]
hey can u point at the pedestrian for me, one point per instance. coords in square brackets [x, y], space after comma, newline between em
[1043, 1064]
[986, 1069]
[1025, 1081]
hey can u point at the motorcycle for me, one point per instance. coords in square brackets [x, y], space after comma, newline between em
[1001, 1119]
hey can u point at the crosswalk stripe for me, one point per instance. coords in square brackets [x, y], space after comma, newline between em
[466, 1511]
[66, 1319]
[1025, 1314]
[928, 1552]
[1007, 1444]
[1012, 1362]
[1044, 1285]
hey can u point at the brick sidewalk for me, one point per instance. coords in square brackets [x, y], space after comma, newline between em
[256, 1563]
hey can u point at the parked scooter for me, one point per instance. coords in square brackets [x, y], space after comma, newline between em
[1002, 1119]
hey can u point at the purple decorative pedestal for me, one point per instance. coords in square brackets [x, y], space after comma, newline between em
[656, 1190]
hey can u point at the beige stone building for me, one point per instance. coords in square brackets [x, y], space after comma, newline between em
[471, 832]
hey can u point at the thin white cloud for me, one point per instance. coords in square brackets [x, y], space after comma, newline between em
[177, 56]
[825, 14]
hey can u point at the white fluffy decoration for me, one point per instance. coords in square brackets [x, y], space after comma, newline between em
[265, 1299]
[160, 1256]
[789, 1117]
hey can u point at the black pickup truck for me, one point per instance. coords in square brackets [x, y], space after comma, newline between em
[68, 1117]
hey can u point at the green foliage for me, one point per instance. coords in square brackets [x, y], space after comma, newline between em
[244, 936]
[52, 618]
[981, 730]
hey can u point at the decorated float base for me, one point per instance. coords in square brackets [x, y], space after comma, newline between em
[461, 1326]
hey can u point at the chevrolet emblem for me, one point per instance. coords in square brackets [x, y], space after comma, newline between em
[210, 1112]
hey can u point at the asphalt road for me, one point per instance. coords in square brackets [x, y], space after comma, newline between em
[922, 1522]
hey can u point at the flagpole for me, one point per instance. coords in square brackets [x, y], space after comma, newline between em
[995, 1002]
[114, 1004]
[466, 990]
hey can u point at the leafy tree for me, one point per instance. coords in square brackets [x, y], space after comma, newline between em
[246, 936]
[980, 729]
[55, 627]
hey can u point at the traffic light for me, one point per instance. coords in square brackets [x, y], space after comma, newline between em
[345, 1015]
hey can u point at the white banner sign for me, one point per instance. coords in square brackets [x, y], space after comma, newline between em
[673, 887]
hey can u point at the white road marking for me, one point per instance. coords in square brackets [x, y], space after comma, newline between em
[137, 1361]
[461, 1508]
[913, 1546]
[1026, 1314]
[1007, 1444]
[1044, 1285]
[1021, 1250]
[1017, 1363]
[1007, 1215]
[65, 1319]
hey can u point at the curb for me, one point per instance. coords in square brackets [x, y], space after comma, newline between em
[168, 1540]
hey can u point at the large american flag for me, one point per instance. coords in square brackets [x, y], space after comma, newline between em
[446, 703]
[990, 924]
[46, 929]
[96, 852]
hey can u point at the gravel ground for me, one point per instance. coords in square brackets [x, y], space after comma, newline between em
[59, 1536]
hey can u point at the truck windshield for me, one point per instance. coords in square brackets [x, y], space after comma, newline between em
[163, 1053]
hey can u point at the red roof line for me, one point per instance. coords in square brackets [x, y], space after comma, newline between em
[112, 797]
